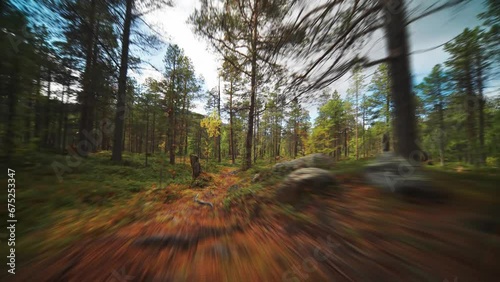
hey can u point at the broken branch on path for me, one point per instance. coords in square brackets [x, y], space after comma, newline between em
[202, 202]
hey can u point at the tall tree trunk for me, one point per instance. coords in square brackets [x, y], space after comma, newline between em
[188, 121]
[183, 135]
[219, 137]
[60, 122]
[363, 140]
[27, 121]
[173, 141]
[346, 147]
[65, 113]
[130, 131]
[471, 132]
[37, 105]
[231, 133]
[46, 130]
[92, 112]
[256, 131]
[479, 83]
[253, 89]
[10, 132]
[441, 133]
[153, 131]
[147, 136]
[356, 121]
[87, 81]
[122, 86]
[171, 116]
[401, 87]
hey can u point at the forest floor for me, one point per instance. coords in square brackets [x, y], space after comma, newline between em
[357, 234]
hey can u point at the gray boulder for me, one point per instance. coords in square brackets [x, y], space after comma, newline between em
[395, 174]
[257, 177]
[314, 160]
[314, 180]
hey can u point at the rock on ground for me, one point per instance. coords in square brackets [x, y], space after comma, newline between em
[311, 179]
[314, 160]
[396, 174]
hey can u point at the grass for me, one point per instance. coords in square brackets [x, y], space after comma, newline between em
[88, 199]
[351, 166]
[240, 195]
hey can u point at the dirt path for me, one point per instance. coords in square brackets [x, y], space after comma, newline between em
[358, 236]
[184, 241]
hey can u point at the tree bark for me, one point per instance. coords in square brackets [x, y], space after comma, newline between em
[401, 86]
[479, 83]
[231, 133]
[10, 133]
[87, 81]
[356, 120]
[195, 166]
[253, 90]
[219, 137]
[471, 132]
[122, 86]
[46, 130]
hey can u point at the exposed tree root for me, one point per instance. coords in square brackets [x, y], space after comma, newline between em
[202, 202]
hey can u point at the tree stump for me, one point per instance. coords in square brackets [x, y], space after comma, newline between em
[195, 165]
[386, 142]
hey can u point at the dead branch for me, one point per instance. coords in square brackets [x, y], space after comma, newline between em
[196, 200]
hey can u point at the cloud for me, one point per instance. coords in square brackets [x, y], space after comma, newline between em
[171, 21]
[429, 32]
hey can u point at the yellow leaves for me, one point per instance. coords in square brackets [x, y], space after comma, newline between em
[162, 145]
[212, 124]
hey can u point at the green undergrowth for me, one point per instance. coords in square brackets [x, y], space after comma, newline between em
[239, 196]
[92, 193]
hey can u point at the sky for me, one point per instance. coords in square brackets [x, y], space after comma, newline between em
[171, 23]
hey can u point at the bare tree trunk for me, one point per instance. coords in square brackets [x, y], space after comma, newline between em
[65, 114]
[402, 96]
[346, 147]
[153, 138]
[12, 99]
[37, 106]
[147, 135]
[231, 133]
[171, 118]
[173, 141]
[479, 83]
[253, 89]
[441, 134]
[60, 122]
[87, 81]
[46, 130]
[471, 132]
[122, 86]
[363, 140]
[356, 121]
[219, 137]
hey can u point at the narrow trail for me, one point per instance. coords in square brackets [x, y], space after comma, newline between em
[357, 236]
[183, 241]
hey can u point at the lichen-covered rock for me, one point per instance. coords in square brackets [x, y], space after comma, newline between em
[314, 180]
[396, 174]
[256, 178]
[314, 160]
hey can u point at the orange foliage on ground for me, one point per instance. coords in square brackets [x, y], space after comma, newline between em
[361, 235]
